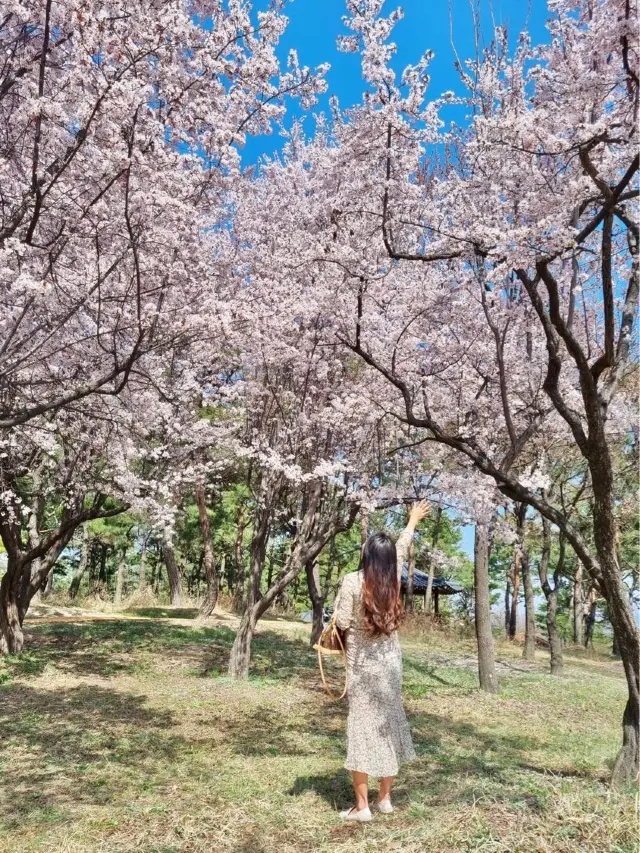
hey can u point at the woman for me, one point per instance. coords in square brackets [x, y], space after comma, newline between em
[369, 609]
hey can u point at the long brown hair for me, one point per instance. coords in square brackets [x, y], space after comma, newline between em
[383, 610]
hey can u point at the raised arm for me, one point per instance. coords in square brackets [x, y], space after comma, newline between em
[419, 511]
[344, 605]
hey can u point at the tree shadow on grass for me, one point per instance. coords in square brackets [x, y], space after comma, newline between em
[106, 647]
[309, 730]
[457, 763]
[59, 742]
[273, 657]
[109, 647]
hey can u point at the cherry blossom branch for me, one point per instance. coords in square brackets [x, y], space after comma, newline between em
[506, 482]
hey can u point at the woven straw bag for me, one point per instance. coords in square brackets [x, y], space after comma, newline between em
[331, 642]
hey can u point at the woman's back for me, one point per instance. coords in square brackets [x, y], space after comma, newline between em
[349, 606]
[378, 737]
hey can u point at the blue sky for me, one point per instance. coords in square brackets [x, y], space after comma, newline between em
[315, 24]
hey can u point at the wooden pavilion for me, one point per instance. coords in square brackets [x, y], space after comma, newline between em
[439, 587]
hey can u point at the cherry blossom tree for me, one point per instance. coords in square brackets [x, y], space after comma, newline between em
[121, 124]
[487, 275]
[304, 436]
[532, 222]
[54, 477]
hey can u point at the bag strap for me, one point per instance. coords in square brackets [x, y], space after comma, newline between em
[328, 690]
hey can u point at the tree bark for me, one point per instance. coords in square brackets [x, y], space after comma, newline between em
[555, 643]
[211, 597]
[615, 651]
[19, 584]
[507, 606]
[11, 614]
[240, 657]
[364, 527]
[434, 544]
[317, 600]
[155, 574]
[241, 649]
[120, 578]
[48, 584]
[484, 635]
[98, 583]
[590, 617]
[173, 571]
[627, 766]
[551, 594]
[411, 569]
[223, 573]
[578, 605]
[269, 569]
[529, 650]
[74, 587]
[142, 577]
[515, 595]
[238, 592]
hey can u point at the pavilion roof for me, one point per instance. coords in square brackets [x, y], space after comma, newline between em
[420, 581]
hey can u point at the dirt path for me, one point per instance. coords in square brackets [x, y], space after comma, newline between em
[44, 613]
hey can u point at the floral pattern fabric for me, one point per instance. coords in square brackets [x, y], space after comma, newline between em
[378, 735]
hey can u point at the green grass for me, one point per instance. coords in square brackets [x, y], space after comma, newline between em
[124, 735]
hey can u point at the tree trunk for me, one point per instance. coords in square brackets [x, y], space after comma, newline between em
[507, 607]
[627, 766]
[625, 769]
[364, 527]
[142, 578]
[484, 636]
[48, 586]
[605, 536]
[313, 535]
[211, 597]
[317, 601]
[238, 592]
[515, 594]
[578, 606]
[434, 544]
[175, 582]
[270, 570]
[555, 643]
[11, 614]
[529, 651]
[411, 569]
[82, 565]
[19, 584]
[223, 571]
[155, 574]
[551, 594]
[99, 580]
[591, 617]
[120, 578]
[209, 601]
[241, 650]
[240, 657]
[95, 556]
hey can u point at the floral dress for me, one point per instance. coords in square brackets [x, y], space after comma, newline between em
[378, 736]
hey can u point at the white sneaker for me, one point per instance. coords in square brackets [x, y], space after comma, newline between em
[363, 815]
[385, 806]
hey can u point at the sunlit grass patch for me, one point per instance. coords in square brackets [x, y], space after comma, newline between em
[128, 735]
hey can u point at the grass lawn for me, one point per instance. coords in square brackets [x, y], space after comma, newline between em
[125, 735]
